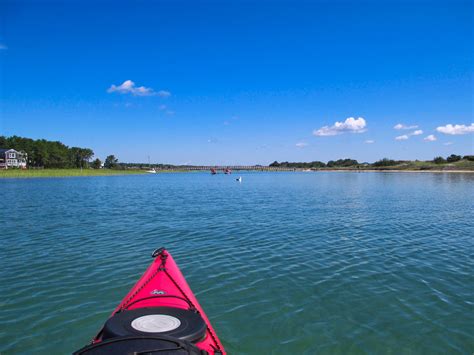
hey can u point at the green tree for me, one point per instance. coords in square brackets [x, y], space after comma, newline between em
[343, 162]
[468, 157]
[79, 157]
[48, 154]
[453, 158]
[110, 162]
[386, 162]
[96, 164]
[317, 164]
[439, 160]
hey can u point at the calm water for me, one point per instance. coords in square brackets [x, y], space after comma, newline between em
[283, 263]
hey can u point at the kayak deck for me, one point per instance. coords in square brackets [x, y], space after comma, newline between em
[163, 286]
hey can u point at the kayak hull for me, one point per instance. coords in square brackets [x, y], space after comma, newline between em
[164, 287]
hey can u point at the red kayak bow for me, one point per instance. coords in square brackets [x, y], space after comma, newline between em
[160, 315]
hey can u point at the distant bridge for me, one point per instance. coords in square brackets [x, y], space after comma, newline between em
[233, 168]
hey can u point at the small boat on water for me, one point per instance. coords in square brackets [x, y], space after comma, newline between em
[239, 179]
[152, 170]
[160, 315]
[213, 171]
[227, 171]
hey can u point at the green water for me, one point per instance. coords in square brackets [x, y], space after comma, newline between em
[282, 263]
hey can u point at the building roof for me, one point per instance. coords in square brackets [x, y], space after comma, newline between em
[3, 150]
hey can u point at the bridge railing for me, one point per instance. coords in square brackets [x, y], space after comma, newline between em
[233, 168]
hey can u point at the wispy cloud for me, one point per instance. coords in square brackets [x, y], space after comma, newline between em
[301, 144]
[404, 126]
[456, 129]
[448, 143]
[351, 125]
[404, 137]
[163, 93]
[3, 46]
[212, 140]
[430, 138]
[369, 141]
[166, 110]
[229, 122]
[129, 87]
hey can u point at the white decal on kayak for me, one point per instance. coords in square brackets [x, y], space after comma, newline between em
[157, 292]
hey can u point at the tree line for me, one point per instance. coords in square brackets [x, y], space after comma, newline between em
[452, 159]
[316, 164]
[54, 154]
[354, 163]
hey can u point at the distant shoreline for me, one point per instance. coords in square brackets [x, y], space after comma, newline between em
[396, 171]
[49, 173]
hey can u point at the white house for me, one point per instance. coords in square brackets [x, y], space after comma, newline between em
[11, 158]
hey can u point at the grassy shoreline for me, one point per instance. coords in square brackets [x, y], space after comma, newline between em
[461, 166]
[45, 173]
[397, 171]
[48, 173]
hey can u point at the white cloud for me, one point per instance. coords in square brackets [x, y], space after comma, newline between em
[403, 126]
[351, 125]
[129, 87]
[3, 46]
[456, 129]
[162, 107]
[369, 141]
[163, 93]
[430, 138]
[301, 144]
[448, 143]
[404, 137]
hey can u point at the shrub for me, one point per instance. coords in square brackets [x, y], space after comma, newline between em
[439, 160]
[453, 158]
[386, 162]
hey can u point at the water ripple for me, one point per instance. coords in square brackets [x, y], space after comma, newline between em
[282, 263]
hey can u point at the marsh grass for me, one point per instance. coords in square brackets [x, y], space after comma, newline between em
[428, 165]
[38, 173]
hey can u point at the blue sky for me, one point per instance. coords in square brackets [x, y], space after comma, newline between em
[240, 82]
